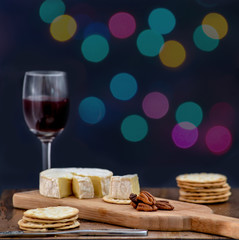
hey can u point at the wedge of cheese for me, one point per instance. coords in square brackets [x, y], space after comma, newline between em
[99, 177]
[122, 186]
[55, 183]
[82, 187]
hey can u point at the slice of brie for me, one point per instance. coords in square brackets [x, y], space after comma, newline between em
[122, 186]
[99, 177]
[82, 187]
[55, 183]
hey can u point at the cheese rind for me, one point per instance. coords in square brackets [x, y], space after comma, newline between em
[57, 182]
[82, 187]
[99, 177]
[122, 186]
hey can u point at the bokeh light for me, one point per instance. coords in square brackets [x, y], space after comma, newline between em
[149, 43]
[82, 20]
[202, 41]
[185, 135]
[162, 20]
[63, 28]
[92, 110]
[222, 113]
[172, 54]
[189, 112]
[50, 9]
[98, 28]
[123, 86]
[218, 139]
[122, 25]
[134, 128]
[218, 22]
[95, 48]
[155, 105]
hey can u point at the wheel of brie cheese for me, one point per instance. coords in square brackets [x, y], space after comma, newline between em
[57, 182]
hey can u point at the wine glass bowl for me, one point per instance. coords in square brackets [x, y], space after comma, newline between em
[45, 107]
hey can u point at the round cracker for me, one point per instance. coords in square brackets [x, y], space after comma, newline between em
[52, 213]
[200, 194]
[109, 199]
[205, 185]
[201, 177]
[49, 221]
[204, 190]
[75, 224]
[33, 229]
[27, 224]
[204, 201]
[225, 186]
[207, 197]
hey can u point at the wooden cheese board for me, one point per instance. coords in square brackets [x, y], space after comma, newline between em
[185, 216]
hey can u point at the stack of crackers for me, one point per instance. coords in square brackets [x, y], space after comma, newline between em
[49, 218]
[203, 188]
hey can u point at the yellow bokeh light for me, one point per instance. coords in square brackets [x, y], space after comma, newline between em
[218, 22]
[172, 54]
[63, 28]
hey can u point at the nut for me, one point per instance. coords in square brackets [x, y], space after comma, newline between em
[146, 197]
[146, 207]
[164, 205]
[133, 197]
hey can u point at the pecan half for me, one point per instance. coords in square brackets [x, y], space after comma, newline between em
[133, 197]
[164, 205]
[146, 197]
[146, 207]
[134, 204]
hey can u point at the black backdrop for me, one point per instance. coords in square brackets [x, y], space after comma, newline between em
[205, 78]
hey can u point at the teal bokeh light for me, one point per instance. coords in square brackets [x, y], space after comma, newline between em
[123, 86]
[162, 20]
[202, 41]
[149, 43]
[95, 48]
[50, 9]
[134, 128]
[92, 110]
[189, 112]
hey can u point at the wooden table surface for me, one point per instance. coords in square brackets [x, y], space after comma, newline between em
[9, 217]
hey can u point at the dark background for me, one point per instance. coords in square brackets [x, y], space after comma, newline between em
[205, 78]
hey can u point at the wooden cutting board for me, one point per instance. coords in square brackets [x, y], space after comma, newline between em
[185, 216]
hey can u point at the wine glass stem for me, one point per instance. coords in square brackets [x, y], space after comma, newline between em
[46, 155]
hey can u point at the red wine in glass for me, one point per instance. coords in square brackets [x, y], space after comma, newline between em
[46, 116]
[45, 107]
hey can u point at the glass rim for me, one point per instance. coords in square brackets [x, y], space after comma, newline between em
[40, 73]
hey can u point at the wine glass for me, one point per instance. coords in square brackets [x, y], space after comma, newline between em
[45, 107]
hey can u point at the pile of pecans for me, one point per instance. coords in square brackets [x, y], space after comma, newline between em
[146, 202]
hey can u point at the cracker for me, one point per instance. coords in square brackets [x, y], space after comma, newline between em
[207, 197]
[33, 229]
[198, 194]
[204, 201]
[201, 178]
[49, 221]
[205, 185]
[27, 224]
[109, 199]
[75, 224]
[224, 186]
[204, 190]
[52, 213]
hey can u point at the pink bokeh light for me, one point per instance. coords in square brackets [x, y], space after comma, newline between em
[218, 139]
[184, 137]
[155, 105]
[122, 25]
[222, 113]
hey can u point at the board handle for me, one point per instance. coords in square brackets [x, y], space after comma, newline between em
[215, 224]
